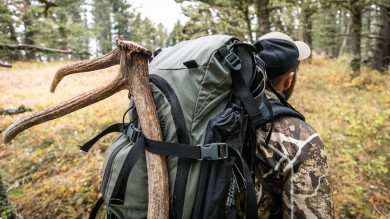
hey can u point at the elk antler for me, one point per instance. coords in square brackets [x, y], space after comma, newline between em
[133, 75]
[105, 61]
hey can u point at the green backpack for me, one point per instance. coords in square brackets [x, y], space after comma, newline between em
[209, 94]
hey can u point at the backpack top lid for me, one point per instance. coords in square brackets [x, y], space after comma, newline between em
[197, 49]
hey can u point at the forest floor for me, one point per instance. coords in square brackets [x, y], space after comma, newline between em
[45, 175]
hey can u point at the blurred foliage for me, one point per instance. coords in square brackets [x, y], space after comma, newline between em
[90, 27]
[87, 28]
[352, 117]
[6, 210]
[47, 176]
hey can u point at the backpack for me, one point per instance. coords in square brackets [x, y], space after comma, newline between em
[209, 96]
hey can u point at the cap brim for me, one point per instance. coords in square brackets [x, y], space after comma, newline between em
[304, 50]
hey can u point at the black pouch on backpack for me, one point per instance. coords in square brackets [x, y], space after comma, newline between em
[217, 186]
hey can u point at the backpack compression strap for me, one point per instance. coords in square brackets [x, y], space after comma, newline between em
[132, 157]
[213, 151]
[252, 107]
[118, 127]
[243, 91]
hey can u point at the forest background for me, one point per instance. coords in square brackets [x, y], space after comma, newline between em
[44, 175]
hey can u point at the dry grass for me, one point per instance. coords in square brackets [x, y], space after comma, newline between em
[352, 117]
[49, 177]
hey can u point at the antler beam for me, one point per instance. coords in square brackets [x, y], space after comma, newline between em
[133, 75]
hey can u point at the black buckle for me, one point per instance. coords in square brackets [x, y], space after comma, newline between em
[133, 133]
[233, 61]
[213, 151]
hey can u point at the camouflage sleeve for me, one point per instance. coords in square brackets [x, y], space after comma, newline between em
[294, 165]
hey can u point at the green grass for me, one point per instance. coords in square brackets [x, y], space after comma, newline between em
[47, 176]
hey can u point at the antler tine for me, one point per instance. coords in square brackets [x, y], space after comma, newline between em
[63, 108]
[108, 60]
[124, 48]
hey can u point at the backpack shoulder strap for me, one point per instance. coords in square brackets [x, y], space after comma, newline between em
[280, 110]
[252, 106]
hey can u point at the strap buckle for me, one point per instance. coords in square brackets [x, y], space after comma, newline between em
[233, 61]
[133, 133]
[213, 151]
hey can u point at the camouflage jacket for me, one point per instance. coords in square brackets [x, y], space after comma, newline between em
[294, 166]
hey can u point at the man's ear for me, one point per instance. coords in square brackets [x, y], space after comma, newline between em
[288, 80]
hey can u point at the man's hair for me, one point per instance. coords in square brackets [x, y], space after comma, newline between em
[278, 79]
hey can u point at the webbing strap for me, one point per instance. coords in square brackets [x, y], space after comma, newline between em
[118, 127]
[96, 208]
[266, 112]
[118, 194]
[242, 88]
[172, 149]
[212, 151]
[253, 108]
[159, 147]
[250, 193]
[277, 110]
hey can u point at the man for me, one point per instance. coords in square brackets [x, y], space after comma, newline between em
[292, 167]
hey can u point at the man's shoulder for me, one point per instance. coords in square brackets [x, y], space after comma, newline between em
[296, 122]
[288, 128]
[291, 139]
[294, 127]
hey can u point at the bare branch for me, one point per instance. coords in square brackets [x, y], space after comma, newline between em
[20, 109]
[32, 47]
[5, 65]
[47, 5]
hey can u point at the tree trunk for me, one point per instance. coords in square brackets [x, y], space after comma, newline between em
[356, 27]
[102, 15]
[344, 43]
[29, 32]
[14, 38]
[29, 39]
[307, 24]
[380, 59]
[263, 24]
[13, 35]
[248, 22]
